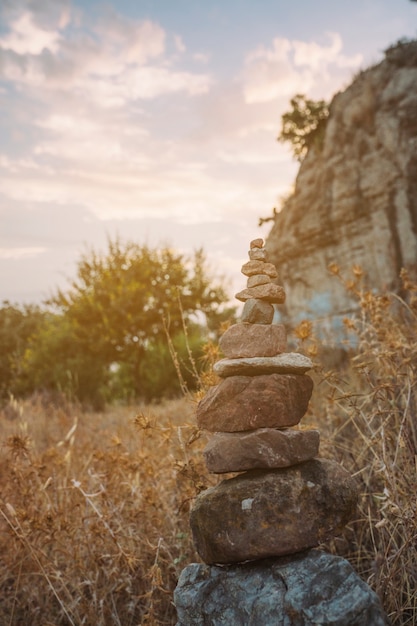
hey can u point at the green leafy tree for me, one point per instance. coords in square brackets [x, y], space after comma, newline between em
[304, 125]
[17, 325]
[109, 330]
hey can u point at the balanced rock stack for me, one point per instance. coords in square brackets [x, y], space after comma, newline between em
[283, 501]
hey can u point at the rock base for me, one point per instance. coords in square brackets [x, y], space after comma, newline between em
[303, 590]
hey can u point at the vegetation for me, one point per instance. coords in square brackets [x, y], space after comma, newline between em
[303, 126]
[105, 338]
[94, 507]
[94, 513]
[17, 326]
[367, 414]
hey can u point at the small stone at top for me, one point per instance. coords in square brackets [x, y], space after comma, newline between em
[257, 254]
[257, 243]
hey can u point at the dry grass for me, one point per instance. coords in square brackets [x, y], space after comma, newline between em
[367, 414]
[94, 513]
[94, 507]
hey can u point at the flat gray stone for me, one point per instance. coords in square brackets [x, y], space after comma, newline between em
[250, 340]
[249, 402]
[263, 513]
[310, 589]
[257, 312]
[264, 448]
[275, 294]
[285, 363]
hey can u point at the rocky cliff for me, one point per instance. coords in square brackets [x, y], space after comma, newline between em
[355, 198]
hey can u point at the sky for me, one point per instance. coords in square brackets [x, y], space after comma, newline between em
[155, 121]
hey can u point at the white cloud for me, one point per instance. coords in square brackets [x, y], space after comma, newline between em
[290, 66]
[179, 44]
[26, 37]
[21, 253]
[113, 62]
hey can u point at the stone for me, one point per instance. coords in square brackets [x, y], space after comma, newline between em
[256, 243]
[248, 340]
[309, 589]
[286, 363]
[257, 312]
[270, 292]
[260, 449]
[249, 402]
[264, 513]
[258, 279]
[259, 267]
[257, 254]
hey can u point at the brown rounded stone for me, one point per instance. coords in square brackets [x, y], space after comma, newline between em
[260, 514]
[257, 254]
[249, 340]
[269, 292]
[259, 267]
[258, 279]
[260, 449]
[257, 312]
[257, 243]
[249, 402]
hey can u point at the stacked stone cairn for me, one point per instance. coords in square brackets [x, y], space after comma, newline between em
[255, 531]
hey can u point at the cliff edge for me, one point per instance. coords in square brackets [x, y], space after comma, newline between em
[355, 198]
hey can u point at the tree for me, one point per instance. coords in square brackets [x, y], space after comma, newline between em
[111, 324]
[304, 125]
[17, 325]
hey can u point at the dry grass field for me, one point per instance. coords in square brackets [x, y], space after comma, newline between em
[94, 506]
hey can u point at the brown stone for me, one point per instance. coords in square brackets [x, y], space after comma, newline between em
[260, 449]
[258, 279]
[259, 267]
[260, 514]
[249, 340]
[271, 293]
[250, 402]
[257, 312]
[286, 363]
[257, 243]
[257, 254]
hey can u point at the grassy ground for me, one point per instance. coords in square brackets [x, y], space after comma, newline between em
[94, 512]
[94, 507]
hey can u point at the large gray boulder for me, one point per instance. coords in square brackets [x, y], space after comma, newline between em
[309, 589]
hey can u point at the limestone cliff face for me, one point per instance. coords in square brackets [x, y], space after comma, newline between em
[355, 199]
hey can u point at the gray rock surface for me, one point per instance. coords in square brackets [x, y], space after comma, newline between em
[260, 449]
[264, 513]
[248, 340]
[286, 363]
[309, 589]
[249, 402]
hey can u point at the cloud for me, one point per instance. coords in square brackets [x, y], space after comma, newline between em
[20, 253]
[290, 67]
[113, 61]
[25, 37]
